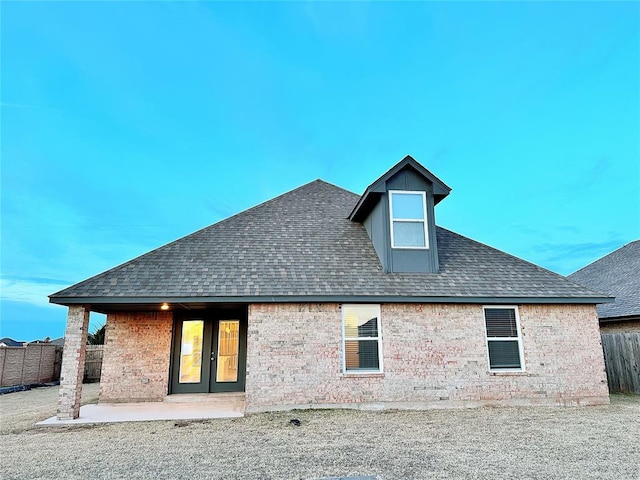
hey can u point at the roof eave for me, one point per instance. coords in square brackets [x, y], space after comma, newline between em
[327, 299]
[623, 318]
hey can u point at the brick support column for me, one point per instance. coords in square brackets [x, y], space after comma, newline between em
[72, 370]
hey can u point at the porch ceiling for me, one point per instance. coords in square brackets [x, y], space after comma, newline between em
[156, 307]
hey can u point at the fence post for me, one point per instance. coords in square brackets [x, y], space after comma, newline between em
[4, 360]
[24, 358]
[57, 364]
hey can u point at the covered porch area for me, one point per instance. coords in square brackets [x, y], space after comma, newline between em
[168, 360]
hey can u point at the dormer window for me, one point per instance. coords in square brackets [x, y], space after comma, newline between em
[397, 211]
[408, 212]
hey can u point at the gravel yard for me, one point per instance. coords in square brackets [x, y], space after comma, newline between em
[577, 443]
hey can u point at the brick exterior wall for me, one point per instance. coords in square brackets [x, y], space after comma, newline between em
[434, 356]
[620, 327]
[136, 359]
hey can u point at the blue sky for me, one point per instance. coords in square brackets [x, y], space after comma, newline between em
[128, 125]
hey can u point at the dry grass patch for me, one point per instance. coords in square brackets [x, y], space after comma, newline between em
[22, 410]
[569, 443]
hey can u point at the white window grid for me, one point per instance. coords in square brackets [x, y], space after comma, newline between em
[378, 340]
[504, 339]
[409, 220]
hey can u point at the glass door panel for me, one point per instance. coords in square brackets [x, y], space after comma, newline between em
[228, 350]
[209, 353]
[191, 351]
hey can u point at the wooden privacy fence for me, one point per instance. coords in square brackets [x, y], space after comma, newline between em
[31, 364]
[93, 363]
[622, 361]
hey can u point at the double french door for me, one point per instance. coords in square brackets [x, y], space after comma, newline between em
[209, 354]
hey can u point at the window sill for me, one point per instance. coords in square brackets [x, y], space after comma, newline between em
[507, 373]
[362, 375]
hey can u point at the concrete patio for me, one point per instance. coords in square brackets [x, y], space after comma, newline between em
[174, 407]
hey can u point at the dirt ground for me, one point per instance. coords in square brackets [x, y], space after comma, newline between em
[484, 443]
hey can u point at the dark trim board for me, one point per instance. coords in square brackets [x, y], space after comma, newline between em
[626, 318]
[105, 305]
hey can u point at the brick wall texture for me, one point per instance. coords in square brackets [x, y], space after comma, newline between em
[620, 327]
[136, 357]
[71, 370]
[434, 356]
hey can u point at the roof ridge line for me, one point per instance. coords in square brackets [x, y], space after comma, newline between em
[589, 265]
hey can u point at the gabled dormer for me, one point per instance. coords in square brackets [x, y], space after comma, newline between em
[397, 210]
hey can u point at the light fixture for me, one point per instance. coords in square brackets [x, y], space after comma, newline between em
[164, 306]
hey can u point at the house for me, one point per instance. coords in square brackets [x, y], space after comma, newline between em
[617, 274]
[10, 342]
[58, 342]
[324, 298]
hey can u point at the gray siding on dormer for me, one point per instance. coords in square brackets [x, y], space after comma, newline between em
[377, 224]
[408, 179]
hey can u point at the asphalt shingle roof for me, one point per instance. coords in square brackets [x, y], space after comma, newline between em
[302, 244]
[616, 274]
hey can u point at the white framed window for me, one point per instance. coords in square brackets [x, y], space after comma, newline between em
[408, 215]
[504, 339]
[361, 339]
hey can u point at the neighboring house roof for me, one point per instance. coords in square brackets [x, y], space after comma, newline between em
[10, 342]
[617, 274]
[301, 246]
